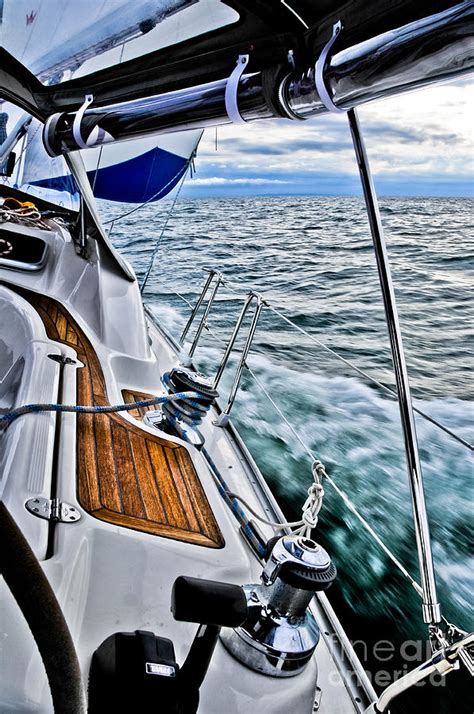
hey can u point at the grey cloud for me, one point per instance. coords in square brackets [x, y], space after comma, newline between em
[287, 146]
[265, 150]
[324, 147]
[389, 131]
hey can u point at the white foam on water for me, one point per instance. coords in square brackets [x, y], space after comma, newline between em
[357, 434]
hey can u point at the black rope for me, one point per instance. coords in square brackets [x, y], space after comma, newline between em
[36, 599]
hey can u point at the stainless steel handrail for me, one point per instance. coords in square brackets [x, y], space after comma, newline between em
[431, 607]
[230, 345]
[223, 418]
[205, 314]
[198, 304]
[186, 356]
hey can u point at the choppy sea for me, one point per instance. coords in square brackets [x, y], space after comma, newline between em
[312, 258]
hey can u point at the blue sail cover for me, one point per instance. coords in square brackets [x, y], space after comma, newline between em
[147, 177]
[131, 172]
[142, 170]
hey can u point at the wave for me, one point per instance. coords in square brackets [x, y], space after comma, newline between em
[357, 434]
[320, 270]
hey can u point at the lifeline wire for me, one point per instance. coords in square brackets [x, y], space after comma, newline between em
[158, 240]
[350, 505]
[339, 491]
[388, 390]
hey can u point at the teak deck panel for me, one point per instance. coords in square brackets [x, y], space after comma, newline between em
[125, 475]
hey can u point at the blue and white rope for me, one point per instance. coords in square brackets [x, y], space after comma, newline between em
[9, 417]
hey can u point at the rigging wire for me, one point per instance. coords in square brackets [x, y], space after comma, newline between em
[175, 292]
[350, 364]
[342, 494]
[352, 507]
[99, 158]
[159, 239]
[298, 17]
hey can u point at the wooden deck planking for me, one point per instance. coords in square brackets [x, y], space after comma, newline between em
[125, 475]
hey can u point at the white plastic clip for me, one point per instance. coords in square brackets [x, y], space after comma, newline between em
[76, 127]
[231, 88]
[319, 69]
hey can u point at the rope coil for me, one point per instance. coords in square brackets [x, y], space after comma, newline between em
[310, 509]
[26, 214]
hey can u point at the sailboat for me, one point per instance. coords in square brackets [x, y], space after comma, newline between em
[145, 562]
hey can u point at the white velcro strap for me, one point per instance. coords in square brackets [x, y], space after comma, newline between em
[231, 89]
[319, 70]
[76, 127]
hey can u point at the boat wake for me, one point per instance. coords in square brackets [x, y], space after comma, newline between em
[356, 432]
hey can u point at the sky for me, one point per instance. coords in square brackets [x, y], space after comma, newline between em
[419, 144]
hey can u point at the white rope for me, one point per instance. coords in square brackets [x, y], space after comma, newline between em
[175, 292]
[313, 503]
[23, 215]
[311, 507]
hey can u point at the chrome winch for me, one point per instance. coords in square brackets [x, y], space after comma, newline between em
[183, 417]
[280, 633]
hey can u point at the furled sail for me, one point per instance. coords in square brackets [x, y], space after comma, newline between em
[142, 170]
[138, 171]
[133, 172]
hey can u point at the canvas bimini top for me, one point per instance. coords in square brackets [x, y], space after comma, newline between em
[119, 52]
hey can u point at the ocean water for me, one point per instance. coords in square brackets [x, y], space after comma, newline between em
[312, 258]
